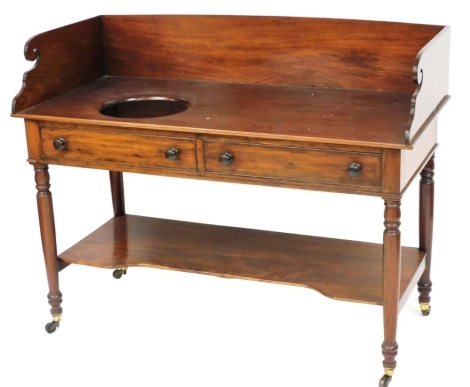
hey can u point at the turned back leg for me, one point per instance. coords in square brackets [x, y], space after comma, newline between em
[117, 193]
[426, 218]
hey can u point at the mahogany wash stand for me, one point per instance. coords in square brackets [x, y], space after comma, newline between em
[321, 104]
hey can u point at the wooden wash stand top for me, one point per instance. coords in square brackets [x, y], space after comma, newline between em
[321, 104]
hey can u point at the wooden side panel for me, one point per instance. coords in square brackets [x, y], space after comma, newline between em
[391, 169]
[267, 50]
[66, 58]
[431, 73]
[412, 161]
[33, 137]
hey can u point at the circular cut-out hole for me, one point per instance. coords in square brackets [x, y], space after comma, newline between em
[144, 107]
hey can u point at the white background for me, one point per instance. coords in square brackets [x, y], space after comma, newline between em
[163, 328]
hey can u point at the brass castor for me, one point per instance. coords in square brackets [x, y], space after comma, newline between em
[387, 378]
[425, 308]
[119, 272]
[384, 382]
[52, 326]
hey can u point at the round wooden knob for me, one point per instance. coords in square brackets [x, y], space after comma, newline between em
[172, 154]
[226, 158]
[60, 144]
[354, 169]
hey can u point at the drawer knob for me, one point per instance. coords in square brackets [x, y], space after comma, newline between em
[172, 154]
[60, 143]
[226, 159]
[354, 169]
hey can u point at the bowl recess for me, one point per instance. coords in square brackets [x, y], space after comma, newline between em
[144, 107]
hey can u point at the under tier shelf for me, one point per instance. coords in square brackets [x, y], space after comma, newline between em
[340, 269]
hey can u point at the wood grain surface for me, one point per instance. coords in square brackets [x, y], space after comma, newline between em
[339, 269]
[341, 116]
[66, 58]
[331, 53]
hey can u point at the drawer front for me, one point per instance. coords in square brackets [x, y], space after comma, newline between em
[134, 149]
[293, 163]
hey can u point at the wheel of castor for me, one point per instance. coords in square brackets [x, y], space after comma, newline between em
[384, 382]
[119, 272]
[52, 326]
[426, 311]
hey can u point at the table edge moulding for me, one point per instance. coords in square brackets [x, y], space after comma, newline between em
[331, 105]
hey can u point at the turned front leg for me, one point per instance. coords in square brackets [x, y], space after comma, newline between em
[48, 238]
[426, 217]
[391, 286]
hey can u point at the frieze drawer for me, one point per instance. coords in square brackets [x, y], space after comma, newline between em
[293, 163]
[134, 149]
